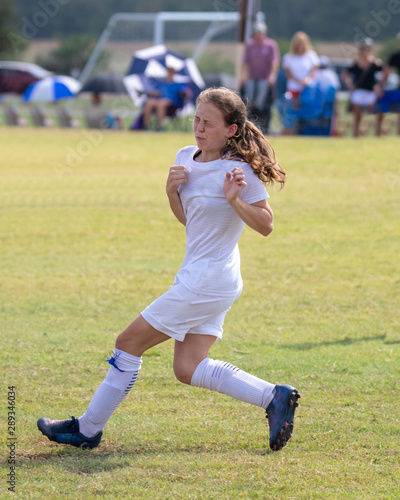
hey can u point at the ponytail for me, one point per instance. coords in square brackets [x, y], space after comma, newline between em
[252, 147]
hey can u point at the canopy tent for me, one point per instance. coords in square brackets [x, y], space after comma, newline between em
[150, 64]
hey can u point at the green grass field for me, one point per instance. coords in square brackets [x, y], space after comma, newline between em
[88, 240]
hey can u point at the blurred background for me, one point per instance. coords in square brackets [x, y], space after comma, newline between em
[83, 40]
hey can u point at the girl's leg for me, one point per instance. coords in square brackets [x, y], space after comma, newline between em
[122, 374]
[192, 366]
[138, 337]
[189, 354]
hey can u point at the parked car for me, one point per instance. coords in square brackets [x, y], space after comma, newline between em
[16, 76]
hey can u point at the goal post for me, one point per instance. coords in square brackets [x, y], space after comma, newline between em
[192, 33]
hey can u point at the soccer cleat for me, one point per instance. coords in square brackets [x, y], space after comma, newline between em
[67, 432]
[280, 414]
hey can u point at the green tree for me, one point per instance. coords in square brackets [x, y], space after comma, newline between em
[11, 42]
[342, 21]
[392, 45]
[71, 54]
[336, 20]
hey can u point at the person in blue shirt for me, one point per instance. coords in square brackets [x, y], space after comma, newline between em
[165, 94]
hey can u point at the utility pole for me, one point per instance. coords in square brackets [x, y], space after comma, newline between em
[250, 11]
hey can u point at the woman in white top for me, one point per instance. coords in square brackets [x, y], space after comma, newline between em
[214, 189]
[300, 63]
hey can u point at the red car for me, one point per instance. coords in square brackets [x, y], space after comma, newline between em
[16, 76]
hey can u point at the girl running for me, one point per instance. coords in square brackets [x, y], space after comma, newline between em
[214, 189]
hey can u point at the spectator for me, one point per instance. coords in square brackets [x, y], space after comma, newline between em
[325, 74]
[166, 94]
[300, 65]
[259, 68]
[97, 116]
[327, 78]
[390, 98]
[361, 80]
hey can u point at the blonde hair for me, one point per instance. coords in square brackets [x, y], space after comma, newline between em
[297, 38]
[248, 144]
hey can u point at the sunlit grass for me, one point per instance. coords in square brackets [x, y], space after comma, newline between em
[88, 240]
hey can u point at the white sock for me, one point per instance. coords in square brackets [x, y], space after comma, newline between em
[232, 381]
[119, 381]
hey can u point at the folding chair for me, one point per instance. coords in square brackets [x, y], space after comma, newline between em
[65, 119]
[39, 118]
[316, 110]
[11, 115]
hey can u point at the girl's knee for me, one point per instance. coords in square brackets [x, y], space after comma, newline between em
[122, 341]
[183, 371]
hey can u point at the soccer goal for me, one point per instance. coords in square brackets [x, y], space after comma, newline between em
[210, 38]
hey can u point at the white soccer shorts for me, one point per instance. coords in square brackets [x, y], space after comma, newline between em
[180, 311]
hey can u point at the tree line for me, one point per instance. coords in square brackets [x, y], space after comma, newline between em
[77, 25]
[329, 20]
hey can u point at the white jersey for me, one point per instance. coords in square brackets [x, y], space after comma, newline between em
[212, 261]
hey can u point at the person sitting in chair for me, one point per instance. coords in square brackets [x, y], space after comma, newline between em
[165, 94]
[300, 65]
[361, 78]
[97, 116]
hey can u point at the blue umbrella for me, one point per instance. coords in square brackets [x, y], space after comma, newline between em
[52, 88]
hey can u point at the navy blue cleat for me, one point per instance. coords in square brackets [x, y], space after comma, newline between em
[280, 415]
[67, 432]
